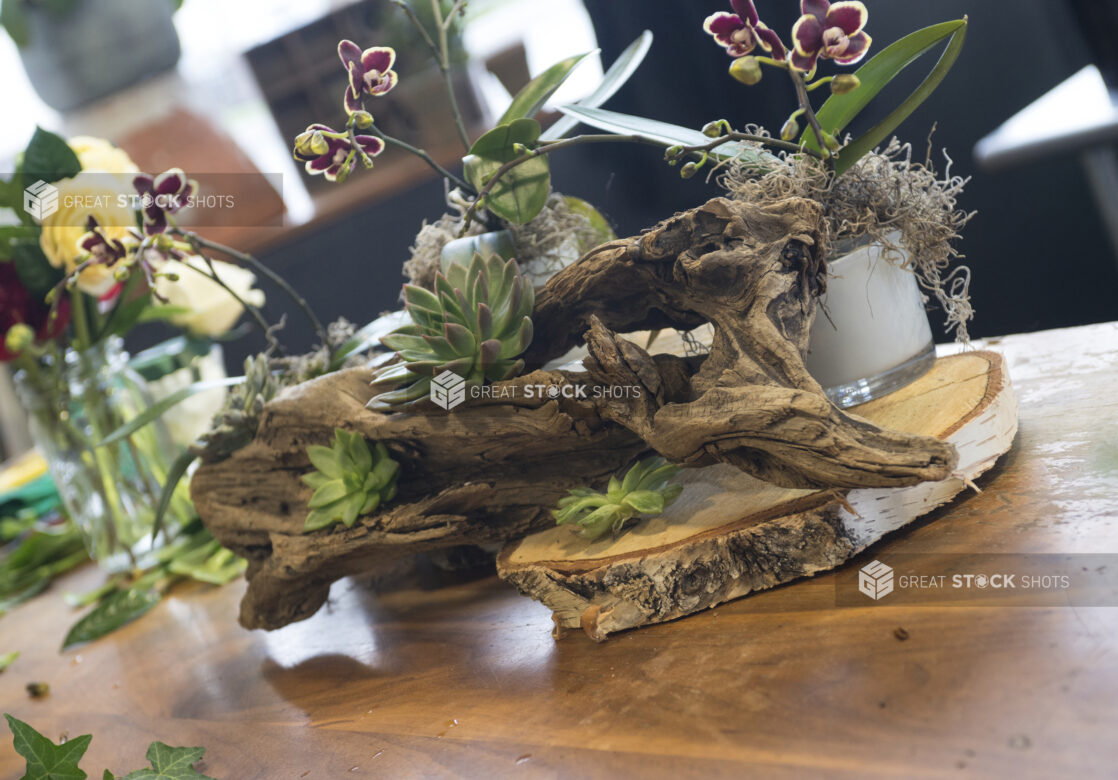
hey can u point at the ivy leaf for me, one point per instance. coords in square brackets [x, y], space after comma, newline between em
[170, 763]
[521, 192]
[46, 760]
[115, 611]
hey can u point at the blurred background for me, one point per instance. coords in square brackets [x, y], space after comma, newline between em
[222, 87]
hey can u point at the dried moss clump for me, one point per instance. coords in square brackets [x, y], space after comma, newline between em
[884, 193]
[551, 241]
[421, 267]
[555, 238]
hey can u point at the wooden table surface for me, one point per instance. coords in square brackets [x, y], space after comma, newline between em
[465, 680]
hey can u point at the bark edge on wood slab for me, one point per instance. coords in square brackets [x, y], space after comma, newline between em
[674, 570]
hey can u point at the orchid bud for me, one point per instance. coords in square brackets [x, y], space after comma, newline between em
[520, 149]
[362, 120]
[746, 70]
[845, 82]
[170, 276]
[121, 273]
[830, 141]
[671, 153]
[790, 130]
[688, 170]
[19, 338]
[311, 144]
[713, 129]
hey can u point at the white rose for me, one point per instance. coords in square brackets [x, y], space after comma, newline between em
[212, 310]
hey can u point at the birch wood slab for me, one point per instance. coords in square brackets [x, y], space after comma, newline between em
[729, 534]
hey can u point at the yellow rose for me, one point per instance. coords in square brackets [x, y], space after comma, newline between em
[213, 310]
[95, 192]
[97, 154]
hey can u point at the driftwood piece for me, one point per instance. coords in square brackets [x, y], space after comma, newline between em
[478, 476]
[754, 274]
[489, 470]
[729, 534]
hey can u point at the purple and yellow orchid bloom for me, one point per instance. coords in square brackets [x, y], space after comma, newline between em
[833, 31]
[101, 248]
[742, 31]
[162, 195]
[370, 72]
[330, 153]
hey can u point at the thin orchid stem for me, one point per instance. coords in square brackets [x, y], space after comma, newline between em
[444, 66]
[427, 158]
[809, 112]
[253, 311]
[197, 242]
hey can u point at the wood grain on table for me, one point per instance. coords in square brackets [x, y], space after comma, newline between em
[465, 679]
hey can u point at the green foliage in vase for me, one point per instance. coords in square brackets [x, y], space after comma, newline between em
[645, 490]
[350, 480]
[476, 323]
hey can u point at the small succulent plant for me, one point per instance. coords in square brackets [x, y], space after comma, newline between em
[645, 490]
[349, 480]
[476, 324]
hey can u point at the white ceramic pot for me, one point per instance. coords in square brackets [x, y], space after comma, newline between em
[877, 338]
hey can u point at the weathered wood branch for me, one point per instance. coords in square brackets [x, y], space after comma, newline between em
[489, 470]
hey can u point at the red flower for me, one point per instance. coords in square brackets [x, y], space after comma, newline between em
[19, 307]
[832, 31]
[740, 32]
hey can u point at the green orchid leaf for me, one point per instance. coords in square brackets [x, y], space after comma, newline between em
[175, 474]
[46, 760]
[664, 133]
[117, 610]
[839, 110]
[170, 763]
[156, 410]
[619, 72]
[48, 158]
[530, 99]
[521, 192]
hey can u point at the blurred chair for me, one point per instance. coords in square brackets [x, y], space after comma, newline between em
[1079, 116]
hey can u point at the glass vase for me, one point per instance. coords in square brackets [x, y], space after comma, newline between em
[874, 337]
[76, 399]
